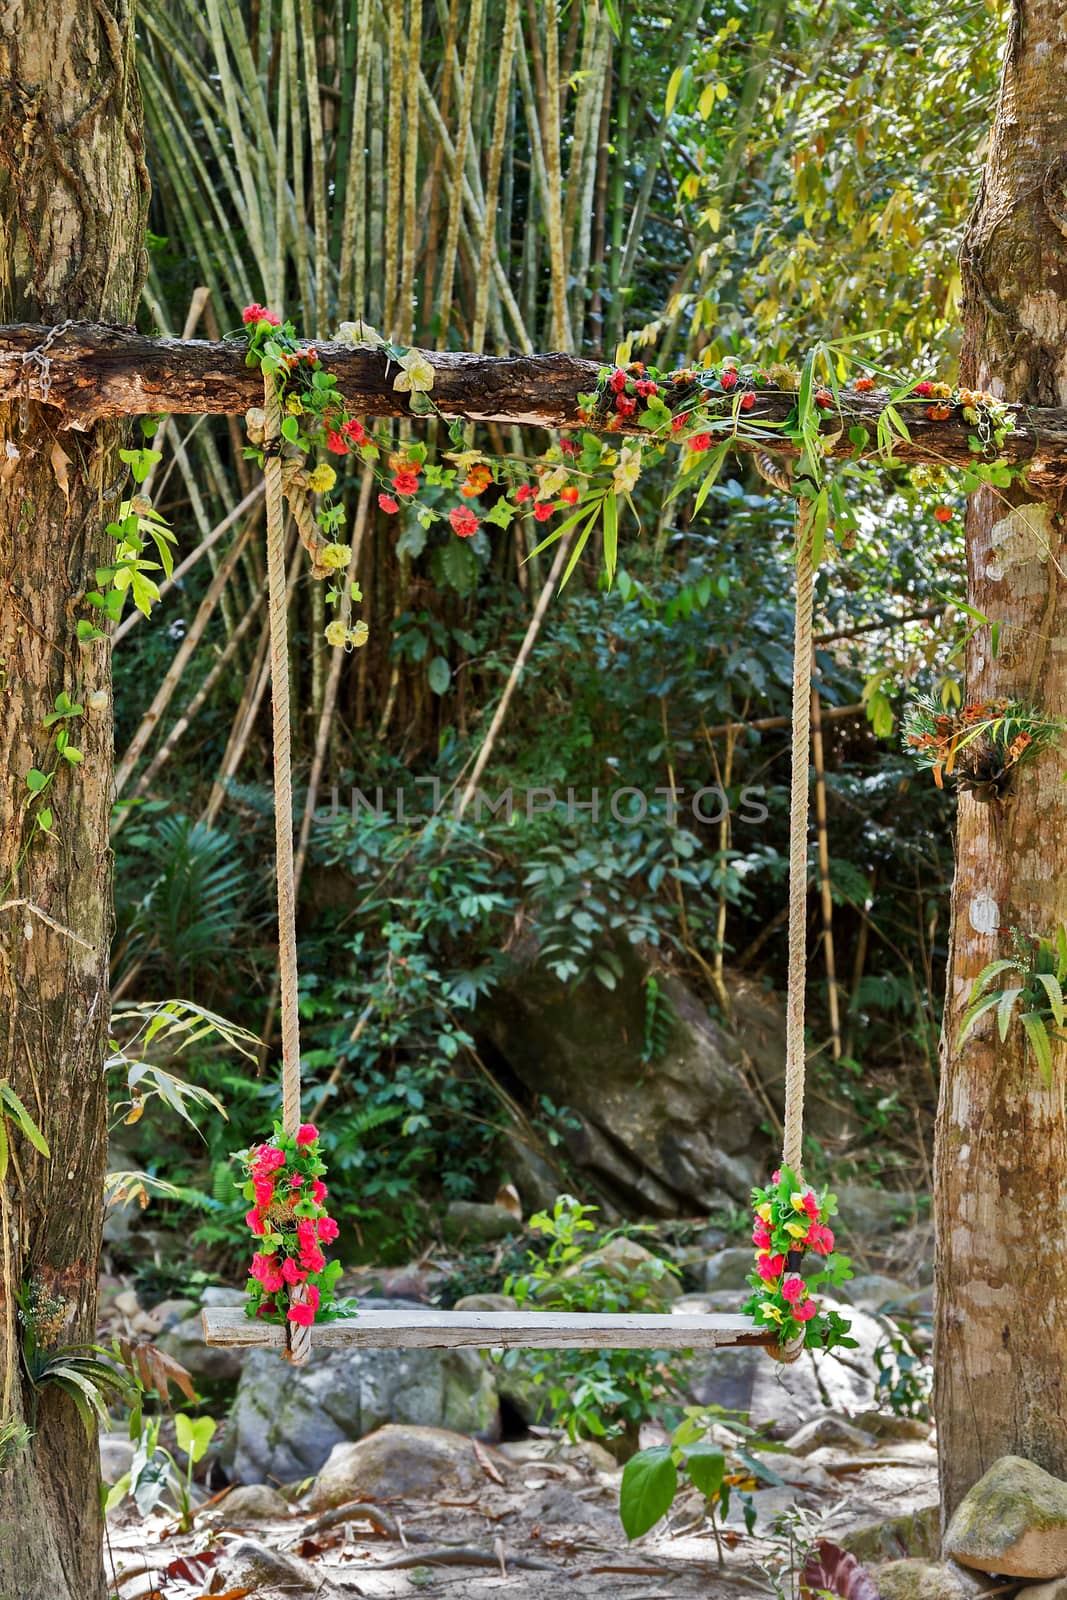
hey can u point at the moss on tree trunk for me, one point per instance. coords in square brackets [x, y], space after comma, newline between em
[73, 193]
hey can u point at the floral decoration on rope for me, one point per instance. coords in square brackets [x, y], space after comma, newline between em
[288, 1218]
[791, 1220]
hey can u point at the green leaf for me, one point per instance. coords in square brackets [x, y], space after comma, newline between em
[290, 429]
[1005, 1007]
[15, 1108]
[36, 780]
[706, 1467]
[193, 1436]
[439, 675]
[649, 1485]
[673, 85]
[611, 533]
[1055, 996]
[44, 818]
[1037, 1033]
[973, 1012]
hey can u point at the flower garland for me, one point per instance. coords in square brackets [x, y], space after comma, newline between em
[283, 1185]
[790, 1220]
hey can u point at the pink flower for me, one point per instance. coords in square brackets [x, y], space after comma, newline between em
[729, 379]
[303, 1314]
[678, 423]
[313, 1296]
[295, 1180]
[265, 1271]
[645, 387]
[264, 1191]
[328, 1230]
[793, 1287]
[336, 443]
[353, 431]
[319, 1191]
[776, 1175]
[312, 1258]
[806, 1311]
[770, 1267]
[306, 1232]
[291, 1272]
[258, 313]
[811, 1204]
[307, 1133]
[570, 447]
[761, 1234]
[464, 522]
[266, 1158]
[256, 1223]
[387, 503]
[924, 389]
[748, 400]
[820, 1238]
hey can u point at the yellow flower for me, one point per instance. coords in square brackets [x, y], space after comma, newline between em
[358, 634]
[416, 374]
[769, 1309]
[352, 333]
[796, 1230]
[552, 483]
[464, 459]
[294, 405]
[764, 1211]
[628, 470]
[322, 478]
[335, 556]
[336, 634]
[796, 1200]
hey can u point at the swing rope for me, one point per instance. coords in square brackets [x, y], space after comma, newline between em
[795, 1060]
[299, 1337]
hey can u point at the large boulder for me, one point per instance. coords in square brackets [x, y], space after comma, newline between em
[1013, 1522]
[398, 1463]
[667, 1137]
[286, 1420]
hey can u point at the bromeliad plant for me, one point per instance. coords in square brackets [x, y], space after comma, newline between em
[1039, 968]
[981, 745]
[790, 1221]
[287, 1215]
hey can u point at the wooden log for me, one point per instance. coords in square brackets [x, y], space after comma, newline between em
[91, 370]
[493, 1330]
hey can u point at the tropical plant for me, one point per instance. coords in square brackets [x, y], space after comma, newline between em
[981, 745]
[1040, 965]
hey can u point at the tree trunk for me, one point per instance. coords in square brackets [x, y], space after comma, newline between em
[1001, 1164]
[73, 195]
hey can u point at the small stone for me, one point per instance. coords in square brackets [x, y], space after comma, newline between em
[223, 1297]
[886, 1425]
[1013, 1522]
[728, 1270]
[167, 1314]
[920, 1580]
[116, 1456]
[126, 1303]
[253, 1502]
[401, 1461]
[914, 1533]
[829, 1431]
[1055, 1590]
[872, 1291]
[486, 1302]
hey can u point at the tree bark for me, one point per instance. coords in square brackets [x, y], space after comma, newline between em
[99, 371]
[1001, 1161]
[73, 196]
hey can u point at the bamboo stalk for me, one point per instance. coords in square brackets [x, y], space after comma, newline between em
[553, 197]
[455, 202]
[496, 159]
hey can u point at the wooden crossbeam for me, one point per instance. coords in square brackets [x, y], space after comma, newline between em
[91, 370]
[493, 1330]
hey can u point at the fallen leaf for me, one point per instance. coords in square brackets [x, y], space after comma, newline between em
[60, 462]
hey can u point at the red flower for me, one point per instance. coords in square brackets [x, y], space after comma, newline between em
[319, 1191]
[617, 381]
[258, 313]
[805, 1311]
[312, 1260]
[264, 1191]
[811, 1205]
[353, 429]
[543, 511]
[943, 513]
[570, 495]
[406, 483]
[761, 1234]
[266, 1158]
[327, 1229]
[823, 397]
[335, 443]
[770, 1267]
[313, 1296]
[645, 387]
[700, 441]
[256, 1223]
[303, 1314]
[748, 400]
[464, 522]
[728, 379]
[625, 405]
[524, 492]
[678, 423]
[307, 1133]
[291, 1272]
[570, 447]
[924, 389]
[387, 503]
[820, 1238]
[863, 384]
[793, 1288]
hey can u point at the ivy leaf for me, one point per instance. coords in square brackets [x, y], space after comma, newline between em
[649, 1485]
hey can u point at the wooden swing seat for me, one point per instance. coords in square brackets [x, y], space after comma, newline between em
[495, 1330]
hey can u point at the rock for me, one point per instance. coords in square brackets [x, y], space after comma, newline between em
[116, 1456]
[713, 1238]
[537, 1183]
[205, 1362]
[782, 1398]
[401, 1462]
[218, 1296]
[249, 1568]
[126, 1303]
[1056, 1590]
[253, 1502]
[866, 1213]
[886, 1425]
[1013, 1522]
[625, 1261]
[468, 1222]
[872, 1291]
[792, 1470]
[560, 1505]
[915, 1533]
[164, 1316]
[486, 1302]
[727, 1271]
[286, 1420]
[653, 1139]
[921, 1580]
[828, 1431]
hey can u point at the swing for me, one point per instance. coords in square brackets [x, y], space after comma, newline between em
[512, 1329]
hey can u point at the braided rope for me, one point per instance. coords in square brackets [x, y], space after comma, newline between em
[299, 1338]
[793, 1121]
